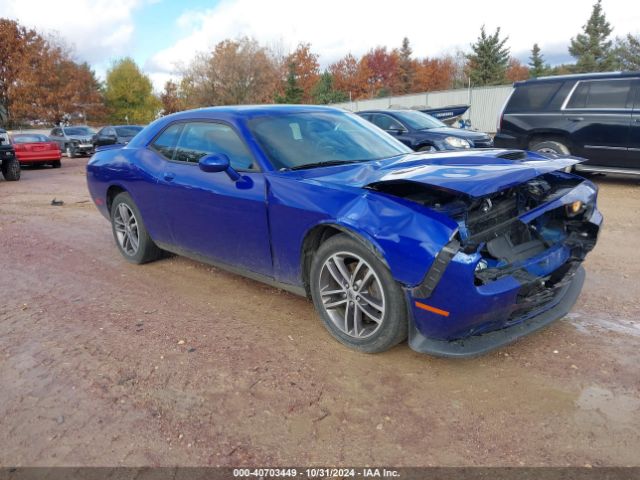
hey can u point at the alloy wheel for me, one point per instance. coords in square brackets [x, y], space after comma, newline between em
[126, 227]
[352, 294]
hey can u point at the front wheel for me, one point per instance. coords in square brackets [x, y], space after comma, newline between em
[129, 231]
[11, 170]
[71, 153]
[357, 298]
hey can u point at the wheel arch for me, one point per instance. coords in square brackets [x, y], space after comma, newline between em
[549, 135]
[112, 192]
[318, 234]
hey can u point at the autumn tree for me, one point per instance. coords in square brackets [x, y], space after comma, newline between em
[628, 53]
[592, 49]
[129, 93]
[537, 67]
[40, 81]
[489, 59]
[306, 70]
[235, 72]
[381, 68]
[350, 76]
[171, 101]
[325, 93]
[516, 71]
[434, 74]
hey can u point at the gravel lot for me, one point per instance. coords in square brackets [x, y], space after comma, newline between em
[178, 363]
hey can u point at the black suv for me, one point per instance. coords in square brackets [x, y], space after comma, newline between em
[9, 165]
[595, 116]
[422, 132]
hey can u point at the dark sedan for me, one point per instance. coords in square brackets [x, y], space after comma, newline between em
[116, 134]
[424, 133]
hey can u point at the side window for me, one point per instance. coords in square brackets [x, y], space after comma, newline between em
[56, 132]
[110, 131]
[385, 122]
[532, 97]
[600, 94]
[166, 143]
[204, 138]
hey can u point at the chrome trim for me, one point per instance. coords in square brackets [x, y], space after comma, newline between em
[566, 100]
[605, 147]
[634, 149]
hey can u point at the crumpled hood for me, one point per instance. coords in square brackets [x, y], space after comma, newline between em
[475, 173]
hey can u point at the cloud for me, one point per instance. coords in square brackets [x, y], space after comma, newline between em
[336, 27]
[96, 30]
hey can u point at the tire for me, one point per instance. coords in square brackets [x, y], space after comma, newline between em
[359, 331]
[427, 148]
[550, 146]
[11, 170]
[123, 209]
[56, 164]
[70, 152]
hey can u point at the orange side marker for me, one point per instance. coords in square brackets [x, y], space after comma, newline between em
[431, 309]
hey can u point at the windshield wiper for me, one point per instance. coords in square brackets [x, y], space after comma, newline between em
[326, 163]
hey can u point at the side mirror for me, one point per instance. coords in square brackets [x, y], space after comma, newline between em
[218, 162]
[394, 130]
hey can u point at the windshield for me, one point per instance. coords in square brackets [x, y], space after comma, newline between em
[128, 131]
[30, 138]
[306, 138]
[78, 131]
[418, 120]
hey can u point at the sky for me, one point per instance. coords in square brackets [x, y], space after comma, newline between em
[162, 35]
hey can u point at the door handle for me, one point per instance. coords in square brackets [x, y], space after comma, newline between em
[575, 119]
[168, 176]
[637, 120]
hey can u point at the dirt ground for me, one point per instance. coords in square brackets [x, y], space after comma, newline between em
[178, 363]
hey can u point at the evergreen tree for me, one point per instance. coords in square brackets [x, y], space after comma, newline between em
[406, 67]
[628, 53]
[591, 49]
[536, 63]
[292, 92]
[324, 93]
[489, 60]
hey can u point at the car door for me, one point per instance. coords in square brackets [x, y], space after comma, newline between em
[209, 214]
[598, 117]
[634, 130]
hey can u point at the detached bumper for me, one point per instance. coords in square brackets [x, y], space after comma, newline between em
[483, 343]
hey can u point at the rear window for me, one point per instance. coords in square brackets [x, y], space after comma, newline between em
[601, 94]
[532, 97]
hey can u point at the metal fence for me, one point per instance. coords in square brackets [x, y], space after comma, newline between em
[486, 103]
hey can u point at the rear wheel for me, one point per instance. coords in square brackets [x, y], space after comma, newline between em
[550, 146]
[130, 233]
[11, 169]
[357, 298]
[56, 164]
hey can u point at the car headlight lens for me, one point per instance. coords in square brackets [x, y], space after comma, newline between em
[457, 142]
[574, 208]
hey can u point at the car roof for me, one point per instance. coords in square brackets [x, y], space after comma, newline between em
[578, 76]
[239, 111]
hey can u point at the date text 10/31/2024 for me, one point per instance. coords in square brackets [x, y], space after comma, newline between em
[315, 473]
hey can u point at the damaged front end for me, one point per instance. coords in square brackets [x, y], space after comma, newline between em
[513, 266]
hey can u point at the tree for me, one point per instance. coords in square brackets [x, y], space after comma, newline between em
[434, 74]
[307, 70]
[350, 76]
[536, 62]
[406, 68]
[591, 49]
[129, 93]
[235, 72]
[381, 69]
[40, 81]
[489, 61]
[292, 91]
[324, 92]
[628, 53]
[171, 101]
[516, 71]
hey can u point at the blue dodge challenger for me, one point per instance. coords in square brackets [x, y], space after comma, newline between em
[461, 252]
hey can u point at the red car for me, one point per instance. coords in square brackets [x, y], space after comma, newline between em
[36, 149]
